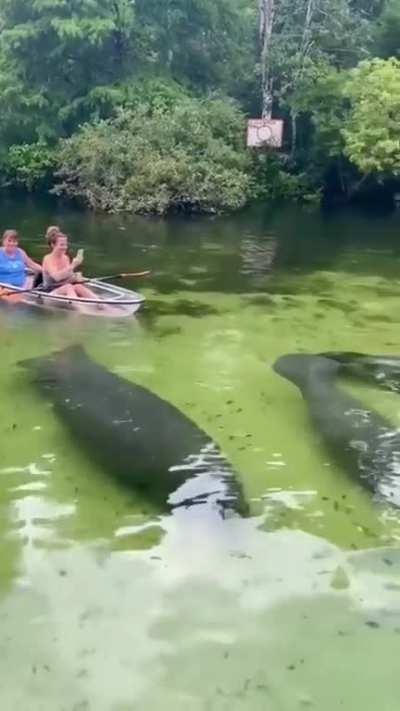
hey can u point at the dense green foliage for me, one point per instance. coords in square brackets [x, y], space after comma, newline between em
[372, 132]
[151, 160]
[142, 104]
[30, 165]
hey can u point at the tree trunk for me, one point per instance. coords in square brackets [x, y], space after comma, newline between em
[294, 133]
[355, 188]
[342, 181]
[306, 40]
[169, 58]
[118, 37]
[308, 20]
[267, 15]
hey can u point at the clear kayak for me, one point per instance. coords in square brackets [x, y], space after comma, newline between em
[113, 301]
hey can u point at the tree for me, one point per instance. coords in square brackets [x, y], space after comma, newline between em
[388, 30]
[68, 63]
[63, 62]
[372, 131]
[199, 42]
[53, 54]
[297, 37]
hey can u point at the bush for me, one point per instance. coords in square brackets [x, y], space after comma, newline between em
[159, 157]
[274, 179]
[29, 165]
[372, 131]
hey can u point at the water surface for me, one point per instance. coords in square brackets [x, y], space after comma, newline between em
[107, 605]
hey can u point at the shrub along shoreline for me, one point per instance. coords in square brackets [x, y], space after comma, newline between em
[179, 153]
[189, 156]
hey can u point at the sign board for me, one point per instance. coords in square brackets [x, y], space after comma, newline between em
[264, 132]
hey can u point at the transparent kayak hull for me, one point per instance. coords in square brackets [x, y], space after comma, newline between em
[113, 301]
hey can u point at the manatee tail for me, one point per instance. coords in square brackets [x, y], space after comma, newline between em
[303, 370]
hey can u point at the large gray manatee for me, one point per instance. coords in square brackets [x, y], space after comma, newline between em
[140, 438]
[367, 444]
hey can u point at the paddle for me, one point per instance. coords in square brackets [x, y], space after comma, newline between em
[122, 275]
[9, 291]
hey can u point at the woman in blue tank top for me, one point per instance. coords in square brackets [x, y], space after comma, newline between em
[14, 261]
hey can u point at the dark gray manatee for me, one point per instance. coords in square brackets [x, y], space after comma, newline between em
[367, 444]
[136, 436]
[382, 370]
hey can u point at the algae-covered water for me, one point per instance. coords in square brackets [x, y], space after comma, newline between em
[107, 605]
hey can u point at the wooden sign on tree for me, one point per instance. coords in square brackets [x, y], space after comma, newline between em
[264, 132]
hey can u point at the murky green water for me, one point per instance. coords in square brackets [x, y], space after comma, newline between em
[108, 606]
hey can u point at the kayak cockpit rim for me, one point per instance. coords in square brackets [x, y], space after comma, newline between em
[109, 295]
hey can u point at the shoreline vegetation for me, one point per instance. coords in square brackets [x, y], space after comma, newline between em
[141, 106]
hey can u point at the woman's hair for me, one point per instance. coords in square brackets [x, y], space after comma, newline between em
[10, 234]
[54, 237]
[52, 230]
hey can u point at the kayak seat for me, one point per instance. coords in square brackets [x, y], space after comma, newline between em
[38, 280]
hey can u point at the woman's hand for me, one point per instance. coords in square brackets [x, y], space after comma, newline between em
[77, 261]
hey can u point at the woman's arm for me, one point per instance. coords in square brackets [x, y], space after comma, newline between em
[57, 274]
[30, 263]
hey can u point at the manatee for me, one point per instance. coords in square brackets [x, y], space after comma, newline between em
[367, 444]
[138, 437]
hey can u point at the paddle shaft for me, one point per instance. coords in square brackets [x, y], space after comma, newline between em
[123, 275]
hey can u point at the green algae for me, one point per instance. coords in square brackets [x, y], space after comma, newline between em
[104, 604]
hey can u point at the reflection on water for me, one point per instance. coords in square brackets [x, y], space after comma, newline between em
[108, 605]
[259, 614]
[258, 259]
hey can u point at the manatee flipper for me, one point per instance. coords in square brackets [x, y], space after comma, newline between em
[383, 370]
